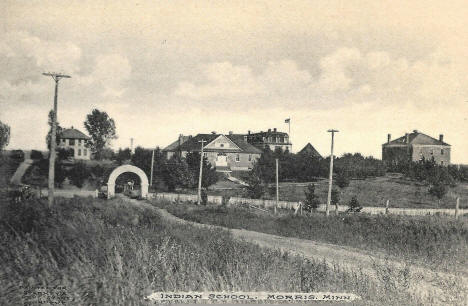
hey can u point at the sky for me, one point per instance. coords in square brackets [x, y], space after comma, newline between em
[164, 68]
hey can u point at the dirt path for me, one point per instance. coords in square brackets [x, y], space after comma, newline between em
[425, 283]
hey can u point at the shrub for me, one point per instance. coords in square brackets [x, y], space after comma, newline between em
[36, 154]
[312, 201]
[439, 190]
[256, 189]
[78, 174]
[354, 205]
[342, 179]
[204, 197]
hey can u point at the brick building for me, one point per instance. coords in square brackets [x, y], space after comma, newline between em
[414, 147]
[225, 152]
[272, 139]
[76, 141]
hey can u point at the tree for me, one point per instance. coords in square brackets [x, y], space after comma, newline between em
[312, 200]
[4, 135]
[123, 155]
[58, 130]
[438, 190]
[209, 177]
[101, 128]
[176, 173]
[256, 188]
[78, 174]
[354, 205]
[342, 179]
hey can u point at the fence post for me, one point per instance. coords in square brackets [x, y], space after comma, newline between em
[457, 207]
[386, 206]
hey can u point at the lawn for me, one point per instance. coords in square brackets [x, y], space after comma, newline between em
[433, 241]
[113, 253]
[370, 192]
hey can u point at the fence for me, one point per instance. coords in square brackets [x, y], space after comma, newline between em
[261, 203]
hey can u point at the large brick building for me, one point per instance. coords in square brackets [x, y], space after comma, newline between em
[225, 152]
[272, 139]
[414, 147]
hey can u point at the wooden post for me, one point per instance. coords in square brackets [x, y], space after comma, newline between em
[201, 172]
[330, 179]
[277, 187]
[457, 207]
[386, 206]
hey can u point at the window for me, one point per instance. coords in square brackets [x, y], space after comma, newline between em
[85, 152]
[205, 155]
[237, 157]
[250, 157]
[442, 152]
[221, 145]
[71, 142]
[79, 152]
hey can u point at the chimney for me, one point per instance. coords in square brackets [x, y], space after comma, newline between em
[213, 132]
[406, 138]
[441, 137]
[274, 130]
[181, 136]
[248, 132]
[72, 127]
[269, 130]
[389, 137]
[230, 132]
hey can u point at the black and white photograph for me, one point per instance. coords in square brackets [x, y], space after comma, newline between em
[234, 152]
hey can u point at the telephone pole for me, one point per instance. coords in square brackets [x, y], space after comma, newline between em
[277, 185]
[56, 77]
[152, 165]
[201, 172]
[330, 180]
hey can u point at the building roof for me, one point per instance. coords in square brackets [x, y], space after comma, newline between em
[417, 138]
[310, 150]
[192, 144]
[72, 134]
[173, 146]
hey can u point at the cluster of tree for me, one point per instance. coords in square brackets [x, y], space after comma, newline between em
[359, 167]
[303, 167]
[4, 135]
[184, 172]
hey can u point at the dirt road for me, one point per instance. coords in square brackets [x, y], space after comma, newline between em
[425, 284]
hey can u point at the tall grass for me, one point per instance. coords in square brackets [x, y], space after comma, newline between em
[435, 241]
[112, 253]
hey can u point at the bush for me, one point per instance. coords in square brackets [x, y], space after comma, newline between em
[312, 201]
[354, 205]
[256, 188]
[78, 174]
[36, 154]
[342, 179]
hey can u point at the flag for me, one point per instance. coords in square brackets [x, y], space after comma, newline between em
[287, 120]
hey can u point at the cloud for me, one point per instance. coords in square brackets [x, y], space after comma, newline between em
[109, 74]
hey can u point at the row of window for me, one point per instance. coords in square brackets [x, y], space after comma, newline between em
[71, 142]
[205, 154]
[85, 152]
[277, 139]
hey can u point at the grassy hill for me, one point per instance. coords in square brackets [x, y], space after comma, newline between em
[114, 253]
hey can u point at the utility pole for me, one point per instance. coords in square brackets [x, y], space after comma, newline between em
[330, 179]
[56, 77]
[277, 185]
[131, 146]
[152, 165]
[201, 172]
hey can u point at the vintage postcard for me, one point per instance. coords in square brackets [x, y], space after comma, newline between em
[233, 152]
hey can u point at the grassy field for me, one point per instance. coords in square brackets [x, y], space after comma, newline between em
[370, 192]
[433, 241]
[113, 253]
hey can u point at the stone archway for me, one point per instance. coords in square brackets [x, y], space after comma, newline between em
[127, 168]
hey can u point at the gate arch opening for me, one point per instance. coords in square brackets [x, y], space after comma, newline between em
[127, 168]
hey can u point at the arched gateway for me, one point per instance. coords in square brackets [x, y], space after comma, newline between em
[127, 168]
